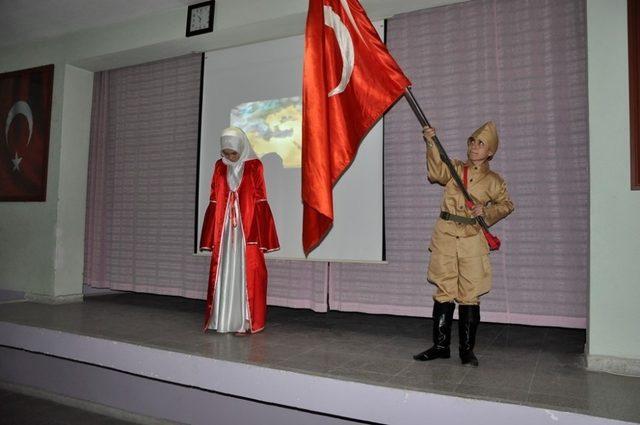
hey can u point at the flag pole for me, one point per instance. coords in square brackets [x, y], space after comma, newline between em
[494, 242]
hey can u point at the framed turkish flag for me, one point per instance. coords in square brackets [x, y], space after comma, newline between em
[25, 120]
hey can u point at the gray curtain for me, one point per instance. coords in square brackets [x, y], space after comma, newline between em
[522, 64]
[142, 185]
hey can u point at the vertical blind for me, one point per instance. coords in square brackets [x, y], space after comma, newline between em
[523, 65]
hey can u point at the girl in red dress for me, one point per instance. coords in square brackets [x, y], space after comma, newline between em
[238, 229]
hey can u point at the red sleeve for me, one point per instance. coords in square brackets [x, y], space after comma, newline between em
[263, 218]
[208, 226]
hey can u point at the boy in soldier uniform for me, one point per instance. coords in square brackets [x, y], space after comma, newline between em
[459, 266]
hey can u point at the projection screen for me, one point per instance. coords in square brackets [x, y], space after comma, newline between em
[257, 87]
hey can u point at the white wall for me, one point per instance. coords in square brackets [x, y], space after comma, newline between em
[614, 290]
[28, 228]
[72, 186]
[37, 235]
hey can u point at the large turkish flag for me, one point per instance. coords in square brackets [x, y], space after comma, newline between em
[25, 118]
[349, 82]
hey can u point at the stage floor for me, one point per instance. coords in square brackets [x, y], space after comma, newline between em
[533, 366]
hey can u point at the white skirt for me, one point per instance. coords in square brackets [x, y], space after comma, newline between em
[230, 308]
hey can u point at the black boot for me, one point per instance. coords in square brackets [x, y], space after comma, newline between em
[442, 318]
[469, 318]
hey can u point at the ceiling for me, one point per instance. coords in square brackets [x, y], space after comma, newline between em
[22, 21]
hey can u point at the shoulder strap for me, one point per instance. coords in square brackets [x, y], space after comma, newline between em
[465, 171]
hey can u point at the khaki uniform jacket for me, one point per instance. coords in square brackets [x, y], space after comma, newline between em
[485, 187]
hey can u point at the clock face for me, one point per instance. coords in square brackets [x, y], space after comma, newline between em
[199, 18]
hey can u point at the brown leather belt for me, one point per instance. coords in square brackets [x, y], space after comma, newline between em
[457, 218]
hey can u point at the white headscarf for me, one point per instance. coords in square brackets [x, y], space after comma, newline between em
[235, 139]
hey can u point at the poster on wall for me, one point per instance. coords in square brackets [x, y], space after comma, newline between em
[25, 119]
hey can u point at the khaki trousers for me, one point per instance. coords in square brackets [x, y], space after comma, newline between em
[462, 280]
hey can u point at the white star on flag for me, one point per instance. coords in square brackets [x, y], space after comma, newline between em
[16, 162]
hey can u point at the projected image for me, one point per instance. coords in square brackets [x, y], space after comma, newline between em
[273, 126]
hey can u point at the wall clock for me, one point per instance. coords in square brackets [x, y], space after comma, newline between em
[200, 18]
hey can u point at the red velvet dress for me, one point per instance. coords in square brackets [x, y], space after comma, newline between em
[259, 234]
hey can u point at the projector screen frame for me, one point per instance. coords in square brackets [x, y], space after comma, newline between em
[200, 185]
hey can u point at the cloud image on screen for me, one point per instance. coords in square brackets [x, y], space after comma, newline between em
[273, 126]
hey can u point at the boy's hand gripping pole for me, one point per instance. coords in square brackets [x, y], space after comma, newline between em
[493, 241]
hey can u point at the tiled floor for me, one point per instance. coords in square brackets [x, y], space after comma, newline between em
[535, 366]
[20, 409]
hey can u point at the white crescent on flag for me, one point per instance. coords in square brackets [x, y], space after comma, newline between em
[332, 20]
[332, 129]
[20, 107]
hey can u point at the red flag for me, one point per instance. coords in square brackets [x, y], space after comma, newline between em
[25, 118]
[349, 82]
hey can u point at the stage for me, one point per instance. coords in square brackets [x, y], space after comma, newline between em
[146, 354]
